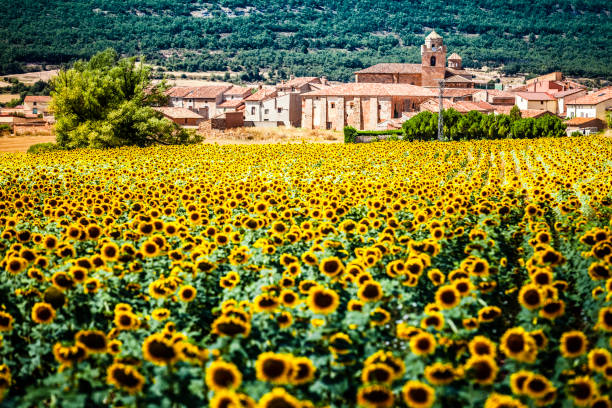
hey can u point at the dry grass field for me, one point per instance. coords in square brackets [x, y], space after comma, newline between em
[14, 144]
[30, 78]
[272, 135]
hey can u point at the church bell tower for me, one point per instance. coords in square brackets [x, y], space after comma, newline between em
[433, 60]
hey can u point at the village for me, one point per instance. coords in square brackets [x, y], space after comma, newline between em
[381, 97]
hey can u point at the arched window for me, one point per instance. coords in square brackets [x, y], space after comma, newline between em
[432, 61]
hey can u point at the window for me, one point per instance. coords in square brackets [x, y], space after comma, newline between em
[266, 111]
[332, 105]
[432, 61]
[280, 110]
[541, 102]
[34, 103]
[252, 110]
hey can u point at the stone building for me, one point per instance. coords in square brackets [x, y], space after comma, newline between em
[593, 105]
[433, 67]
[361, 105]
[282, 105]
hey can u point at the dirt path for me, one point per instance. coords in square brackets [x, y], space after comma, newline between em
[13, 144]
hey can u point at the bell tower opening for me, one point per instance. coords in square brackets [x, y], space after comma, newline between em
[432, 61]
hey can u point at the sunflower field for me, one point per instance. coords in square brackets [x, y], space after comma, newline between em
[396, 274]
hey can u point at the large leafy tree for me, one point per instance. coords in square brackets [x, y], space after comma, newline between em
[107, 102]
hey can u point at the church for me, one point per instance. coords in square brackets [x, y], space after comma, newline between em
[428, 73]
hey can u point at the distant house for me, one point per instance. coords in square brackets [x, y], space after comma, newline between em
[181, 116]
[37, 104]
[525, 113]
[495, 97]
[361, 105]
[563, 97]
[593, 105]
[584, 125]
[536, 100]
[282, 105]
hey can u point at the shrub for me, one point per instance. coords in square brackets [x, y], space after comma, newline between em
[43, 148]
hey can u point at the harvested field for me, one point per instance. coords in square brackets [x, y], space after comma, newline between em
[14, 144]
[254, 135]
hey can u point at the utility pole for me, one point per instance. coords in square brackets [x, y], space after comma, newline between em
[440, 111]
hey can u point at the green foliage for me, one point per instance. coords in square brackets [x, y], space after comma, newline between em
[106, 102]
[515, 113]
[43, 148]
[609, 118]
[475, 125]
[311, 37]
[4, 128]
[350, 133]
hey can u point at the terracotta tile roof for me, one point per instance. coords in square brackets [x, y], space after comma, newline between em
[373, 89]
[496, 93]
[237, 90]
[454, 56]
[262, 95]
[433, 105]
[178, 113]
[593, 98]
[525, 113]
[37, 98]
[231, 103]
[583, 121]
[392, 68]
[563, 94]
[179, 91]
[208, 91]
[298, 82]
[456, 92]
[536, 96]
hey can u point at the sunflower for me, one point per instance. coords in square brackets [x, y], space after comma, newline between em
[289, 298]
[323, 301]
[16, 265]
[423, 343]
[582, 390]
[517, 381]
[94, 340]
[375, 396]
[552, 308]
[273, 367]
[109, 252]
[331, 266]
[447, 297]
[516, 343]
[435, 320]
[440, 373]
[284, 320]
[530, 297]
[160, 314]
[536, 386]
[604, 321]
[159, 350]
[573, 344]
[601, 402]
[482, 369]
[69, 355]
[303, 371]
[377, 373]
[418, 395]
[125, 377]
[496, 400]
[265, 303]
[221, 375]
[355, 305]
[125, 320]
[278, 398]
[187, 293]
[6, 322]
[43, 313]
[340, 343]
[599, 358]
[150, 249]
[231, 326]
[370, 291]
[482, 346]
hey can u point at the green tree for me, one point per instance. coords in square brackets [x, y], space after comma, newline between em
[515, 113]
[609, 117]
[107, 102]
